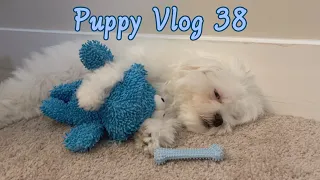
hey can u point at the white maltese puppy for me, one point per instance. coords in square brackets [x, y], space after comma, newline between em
[204, 93]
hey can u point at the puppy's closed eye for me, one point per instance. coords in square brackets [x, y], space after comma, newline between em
[217, 95]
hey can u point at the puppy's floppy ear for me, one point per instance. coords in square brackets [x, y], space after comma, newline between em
[201, 68]
[186, 69]
[189, 67]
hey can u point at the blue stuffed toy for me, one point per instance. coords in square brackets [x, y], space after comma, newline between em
[130, 102]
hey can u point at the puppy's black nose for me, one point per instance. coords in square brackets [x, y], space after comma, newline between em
[217, 121]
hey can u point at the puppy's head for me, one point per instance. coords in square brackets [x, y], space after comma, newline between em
[216, 94]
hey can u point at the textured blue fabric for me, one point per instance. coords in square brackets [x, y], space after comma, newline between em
[83, 137]
[62, 106]
[131, 101]
[127, 108]
[94, 55]
[65, 91]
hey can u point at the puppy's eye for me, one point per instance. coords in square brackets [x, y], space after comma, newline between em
[162, 99]
[217, 94]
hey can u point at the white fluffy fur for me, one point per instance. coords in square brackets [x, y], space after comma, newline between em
[184, 73]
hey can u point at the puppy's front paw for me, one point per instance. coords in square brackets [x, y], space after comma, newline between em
[89, 99]
[146, 141]
[155, 133]
[150, 144]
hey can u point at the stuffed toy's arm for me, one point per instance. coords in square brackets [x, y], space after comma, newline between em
[64, 92]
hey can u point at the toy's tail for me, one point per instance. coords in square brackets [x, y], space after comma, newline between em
[94, 55]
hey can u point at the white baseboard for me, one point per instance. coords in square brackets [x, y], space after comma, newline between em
[286, 70]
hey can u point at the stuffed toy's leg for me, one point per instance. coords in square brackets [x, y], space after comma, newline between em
[83, 137]
[65, 91]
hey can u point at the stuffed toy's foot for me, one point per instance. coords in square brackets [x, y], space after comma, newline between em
[83, 137]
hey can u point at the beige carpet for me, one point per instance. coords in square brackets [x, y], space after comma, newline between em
[278, 147]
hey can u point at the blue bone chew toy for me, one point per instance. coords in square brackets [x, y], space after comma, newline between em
[130, 102]
[162, 155]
